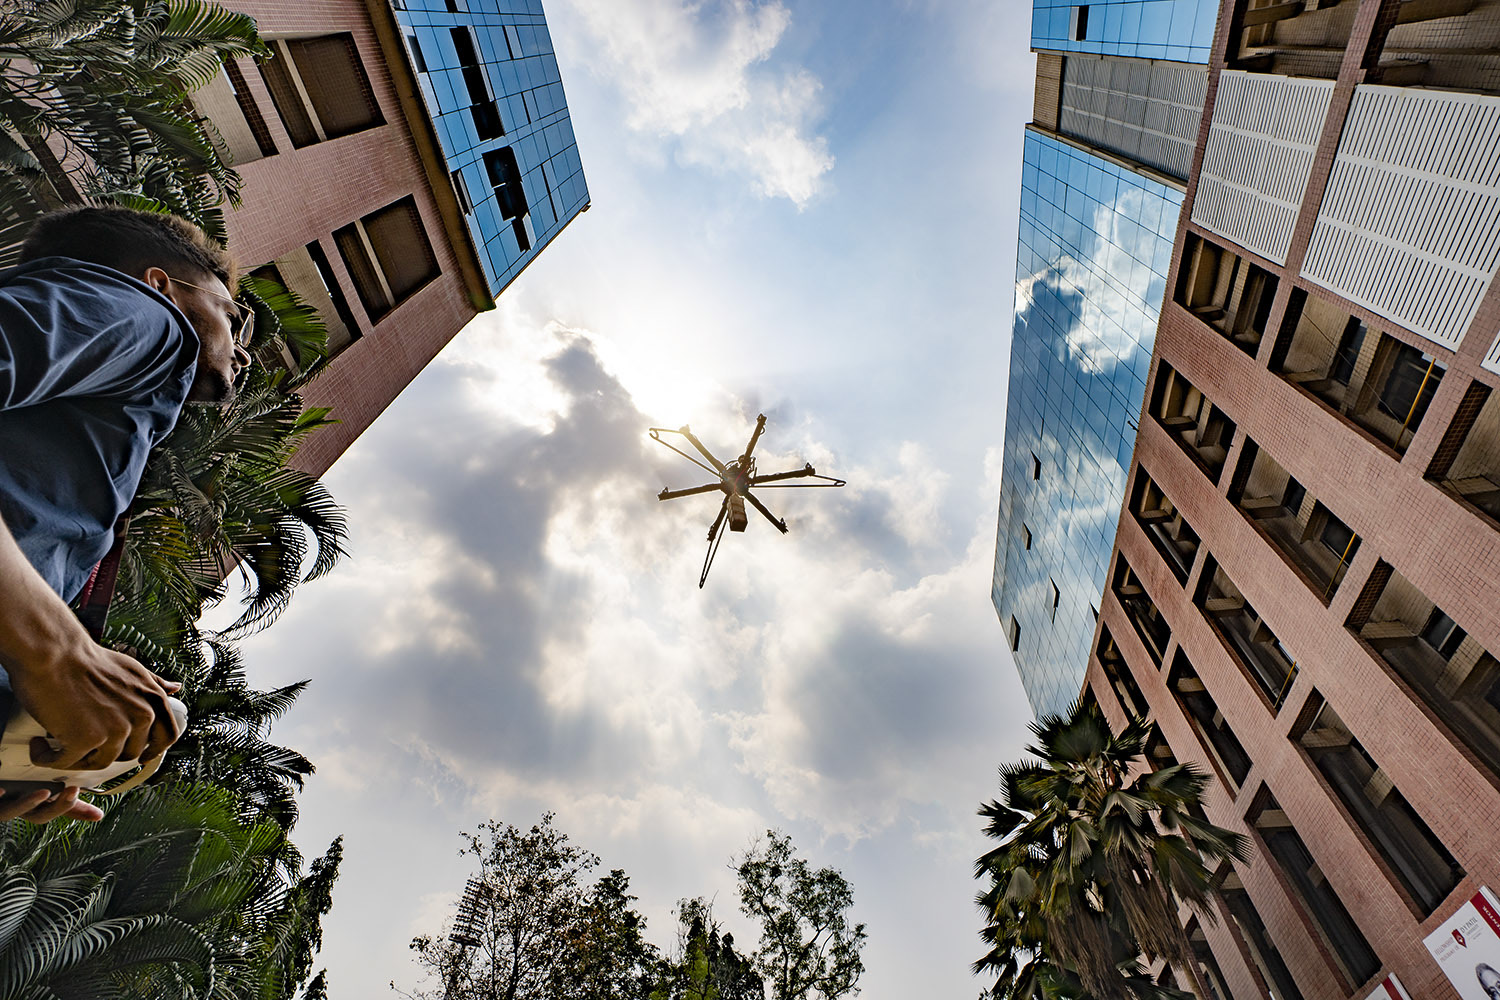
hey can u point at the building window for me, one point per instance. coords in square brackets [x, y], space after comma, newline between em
[1247, 637]
[1121, 680]
[1207, 966]
[388, 256]
[1317, 544]
[1225, 751]
[347, 330]
[320, 88]
[1142, 611]
[1014, 633]
[416, 54]
[1080, 25]
[461, 189]
[1025, 537]
[1300, 872]
[1347, 353]
[1445, 668]
[1411, 851]
[1056, 597]
[1164, 524]
[1200, 428]
[1467, 462]
[1410, 383]
[1226, 291]
[253, 118]
[1036, 467]
[1275, 977]
[482, 105]
[510, 196]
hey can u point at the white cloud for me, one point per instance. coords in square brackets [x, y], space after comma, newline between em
[699, 76]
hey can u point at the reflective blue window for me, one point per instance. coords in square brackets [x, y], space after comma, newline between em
[1095, 243]
[1180, 30]
[502, 94]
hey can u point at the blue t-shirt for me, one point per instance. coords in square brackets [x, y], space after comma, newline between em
[94, 369]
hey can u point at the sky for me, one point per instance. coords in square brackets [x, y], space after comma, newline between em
[802, 209]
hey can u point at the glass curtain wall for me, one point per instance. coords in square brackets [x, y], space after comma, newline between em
[1095, 247]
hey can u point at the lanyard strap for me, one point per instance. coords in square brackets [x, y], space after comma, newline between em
[93, 602]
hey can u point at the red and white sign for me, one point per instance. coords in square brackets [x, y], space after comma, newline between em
[1467, 947]
[1390, 988]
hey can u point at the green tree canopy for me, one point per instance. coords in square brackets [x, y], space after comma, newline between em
[808, 948]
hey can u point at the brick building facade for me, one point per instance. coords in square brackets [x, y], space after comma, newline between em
[350, 201]
[1303, 588]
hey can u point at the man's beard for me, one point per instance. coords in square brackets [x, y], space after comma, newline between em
[212, 388]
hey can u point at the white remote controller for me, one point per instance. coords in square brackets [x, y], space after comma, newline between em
[19, 774]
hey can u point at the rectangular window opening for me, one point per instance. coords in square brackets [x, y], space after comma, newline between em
[1443, 667]
[1421, 865]
[1311, 538]
[320, 88]
[1080, 24]
[335, 293]
[388, 255]
[1250, 641]
[1300, 871]
[1224, 750]
[1265, 957]
[1121, 680]
[249, 108]
[1142, 611]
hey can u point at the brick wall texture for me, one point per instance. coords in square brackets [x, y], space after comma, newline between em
[1406, 522]
[298, 196]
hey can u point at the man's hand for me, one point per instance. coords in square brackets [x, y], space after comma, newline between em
[99, 705]
[39, 807]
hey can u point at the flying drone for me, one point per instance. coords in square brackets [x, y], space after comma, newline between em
[735, 480]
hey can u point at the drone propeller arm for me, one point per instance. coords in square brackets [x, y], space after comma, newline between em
[780, 524]
[693, 440]
[773, 480]
[760, 425]
[674, 494]
[806, 470]
[656, 435]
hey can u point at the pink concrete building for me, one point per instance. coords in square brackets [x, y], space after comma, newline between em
[347, 200]
[1305, 585]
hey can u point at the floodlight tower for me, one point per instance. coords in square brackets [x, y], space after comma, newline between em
[468, 924]
[735, 480]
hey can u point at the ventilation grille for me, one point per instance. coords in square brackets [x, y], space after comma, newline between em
[1146, 110]
[1491, 360]
[1259, 156]
[1410, 225]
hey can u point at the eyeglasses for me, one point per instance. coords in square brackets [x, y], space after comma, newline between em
[246, 328]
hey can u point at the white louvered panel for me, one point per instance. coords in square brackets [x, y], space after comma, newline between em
[1492, 360]
[1259, 156]
[1409, 227]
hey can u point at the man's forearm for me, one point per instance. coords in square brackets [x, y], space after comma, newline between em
[37, 628]
[98, 704]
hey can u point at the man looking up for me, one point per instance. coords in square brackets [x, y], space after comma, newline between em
[113, 321]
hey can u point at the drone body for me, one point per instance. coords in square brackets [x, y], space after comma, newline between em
[735, 480]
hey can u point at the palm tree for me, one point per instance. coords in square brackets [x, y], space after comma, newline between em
[171, 894]
[1093, 863]
[93, 105]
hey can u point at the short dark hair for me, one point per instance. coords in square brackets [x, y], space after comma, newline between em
[127, 240]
